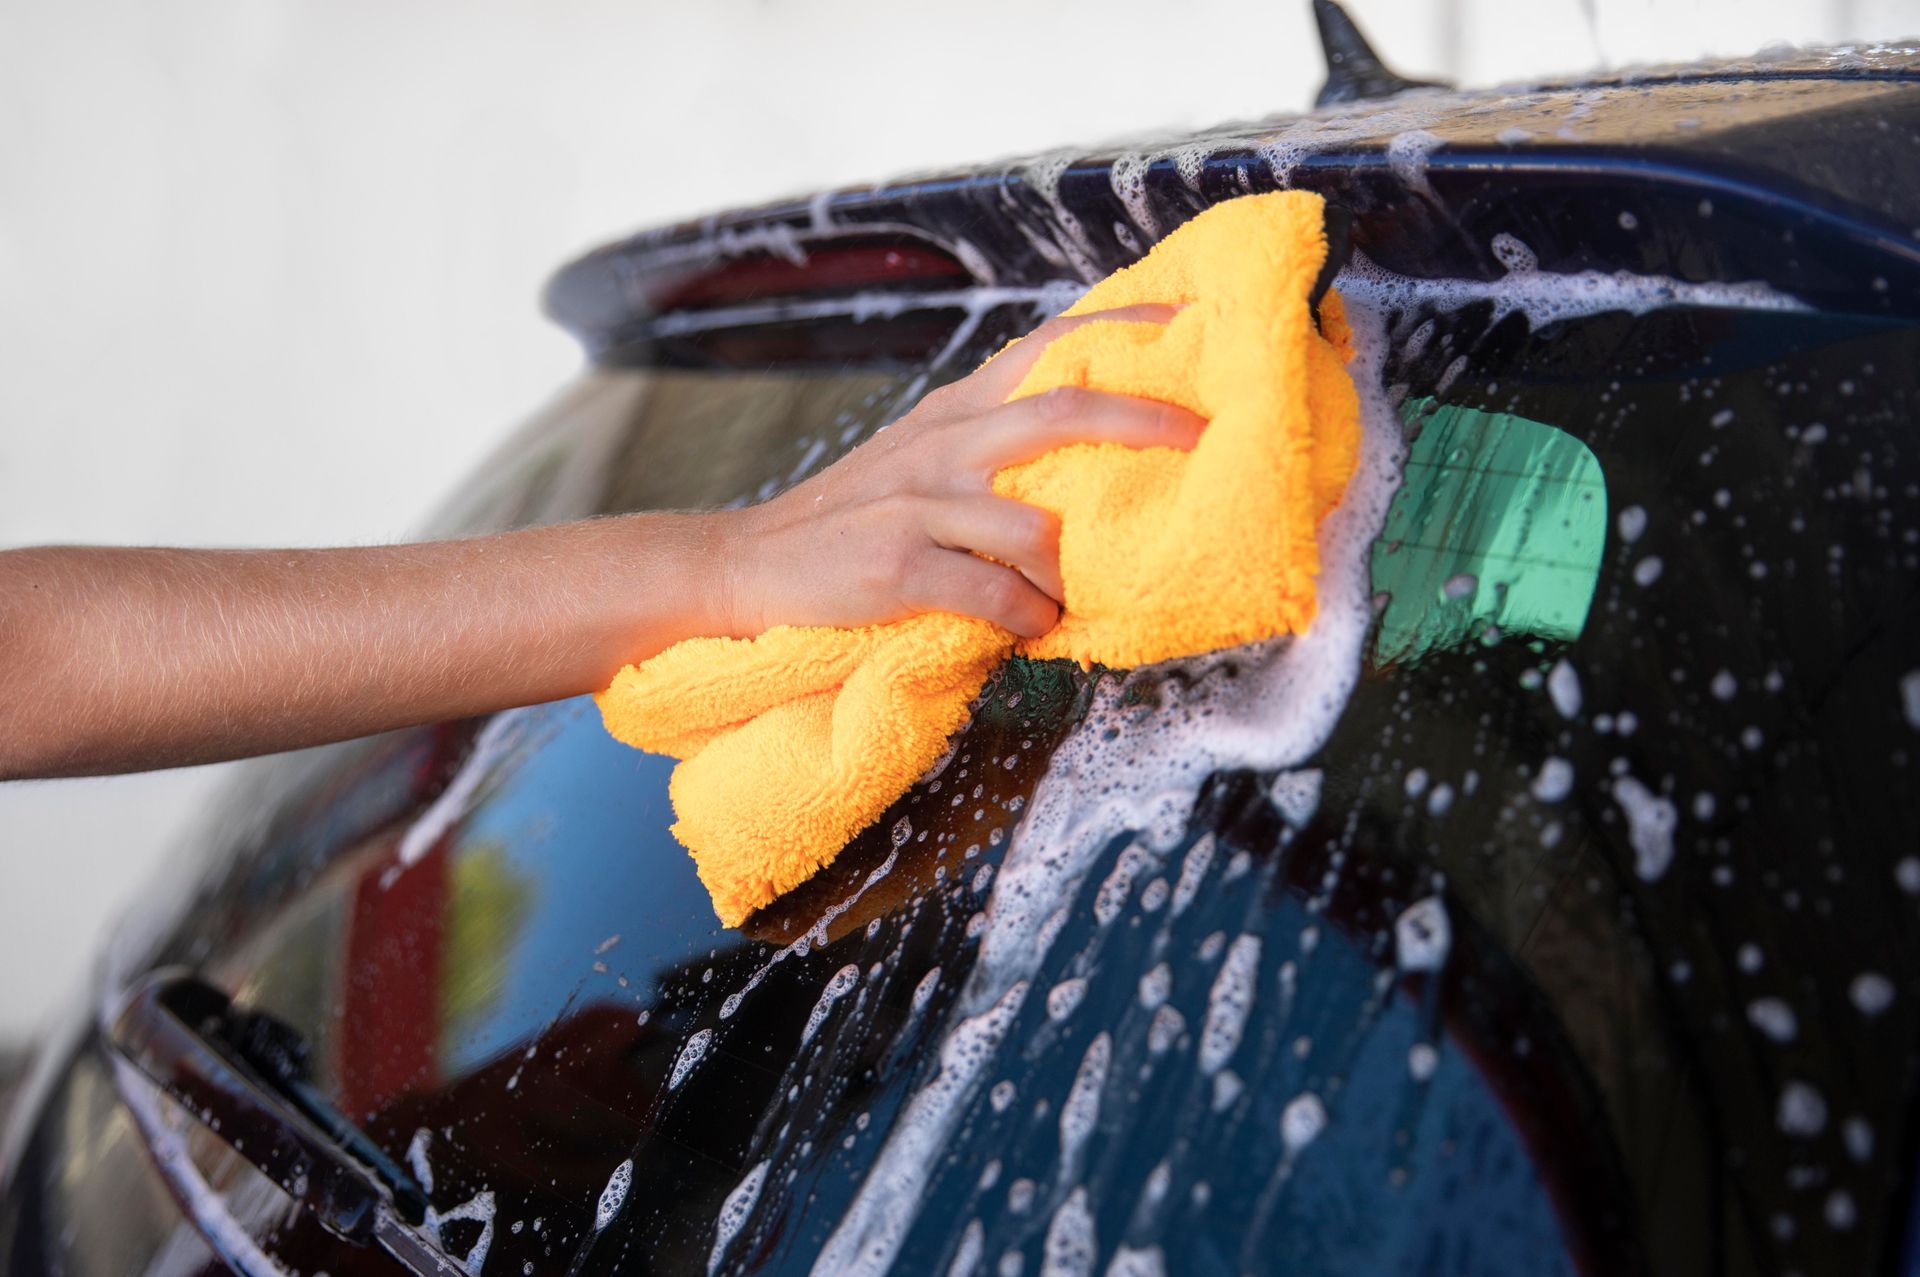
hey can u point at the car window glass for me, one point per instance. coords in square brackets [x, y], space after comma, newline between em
[1593, 913]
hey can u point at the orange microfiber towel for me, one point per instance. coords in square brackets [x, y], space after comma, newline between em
[793, 742]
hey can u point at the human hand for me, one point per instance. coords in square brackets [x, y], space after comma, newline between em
[899, 525]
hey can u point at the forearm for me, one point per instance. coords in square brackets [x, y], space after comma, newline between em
[119, 659]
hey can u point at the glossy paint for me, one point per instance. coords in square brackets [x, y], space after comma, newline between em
[1579, 952]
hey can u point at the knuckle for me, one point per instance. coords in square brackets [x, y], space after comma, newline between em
[1171, 421]
[1063, 403]
[1037, 532]
[1001, 596]
[899, 566]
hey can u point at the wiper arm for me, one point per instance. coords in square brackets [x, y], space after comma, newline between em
[243, 1075]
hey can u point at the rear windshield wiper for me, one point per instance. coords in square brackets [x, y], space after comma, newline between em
[244, 1076]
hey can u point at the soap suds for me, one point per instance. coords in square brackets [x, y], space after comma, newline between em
[869, 1234]
[1229, 1002]
[1295, 795]
[1266, 707]
[690, 1055]
[1650, 822]
[734, 1212]
[1149, 1261]
[1563, 687]
[923, 992]
[1301, 1122]
[1193, 871]
[1063, 999]
[1070, 1249]
[842, 984]
[614, 1195]
[1554, 780]
[1081, 1109]
[1423, 935]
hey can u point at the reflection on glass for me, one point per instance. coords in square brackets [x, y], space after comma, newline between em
[1501, 522]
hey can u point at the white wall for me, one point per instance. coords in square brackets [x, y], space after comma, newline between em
[268, 268]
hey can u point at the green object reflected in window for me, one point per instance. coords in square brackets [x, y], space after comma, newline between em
[1497, 531]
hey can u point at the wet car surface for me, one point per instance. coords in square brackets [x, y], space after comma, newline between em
[1580, 940]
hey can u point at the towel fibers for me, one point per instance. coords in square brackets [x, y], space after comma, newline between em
[793, 742]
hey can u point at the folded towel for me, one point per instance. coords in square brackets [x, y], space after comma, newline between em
[793, 742]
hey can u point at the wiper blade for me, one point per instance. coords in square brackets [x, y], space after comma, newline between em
[243, 1075]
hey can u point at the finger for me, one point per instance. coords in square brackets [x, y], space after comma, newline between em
[991, 383]
[951, 581]
[1013, 532]
[1037, 424]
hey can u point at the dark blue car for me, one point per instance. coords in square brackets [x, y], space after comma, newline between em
[1558, 918]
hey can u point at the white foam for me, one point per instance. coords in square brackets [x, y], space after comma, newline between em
[734, 1212]
[1155, 985]
[1111, 898]
[1043, 177]
[1226, 1089]
[1857, 1135]
[1165, 1029]
[1511, 253]
[1070, 1248]
[869, 1234]
[1839, 1211]
[923, 992]
[1563, 687]
[966, 1256]
[1193, 871]
[1774, 1018]
[1554, 781]
[1423, 935]
[1296, 795]
[817, 933]
[1650, 822]
[1545, 297]
[1128, 175]
[1149, 1261]
[1064, 999]
[1407, 156]
[690, 1055]
[1081, 1109]
[838, 987]
[1229, 1002]
[1871, 992]
[1301, 1122]
[1802, 1111]
[479, 1210]
[614, 1195]
[417, 1159]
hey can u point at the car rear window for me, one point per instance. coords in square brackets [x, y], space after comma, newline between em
[1583, 944]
